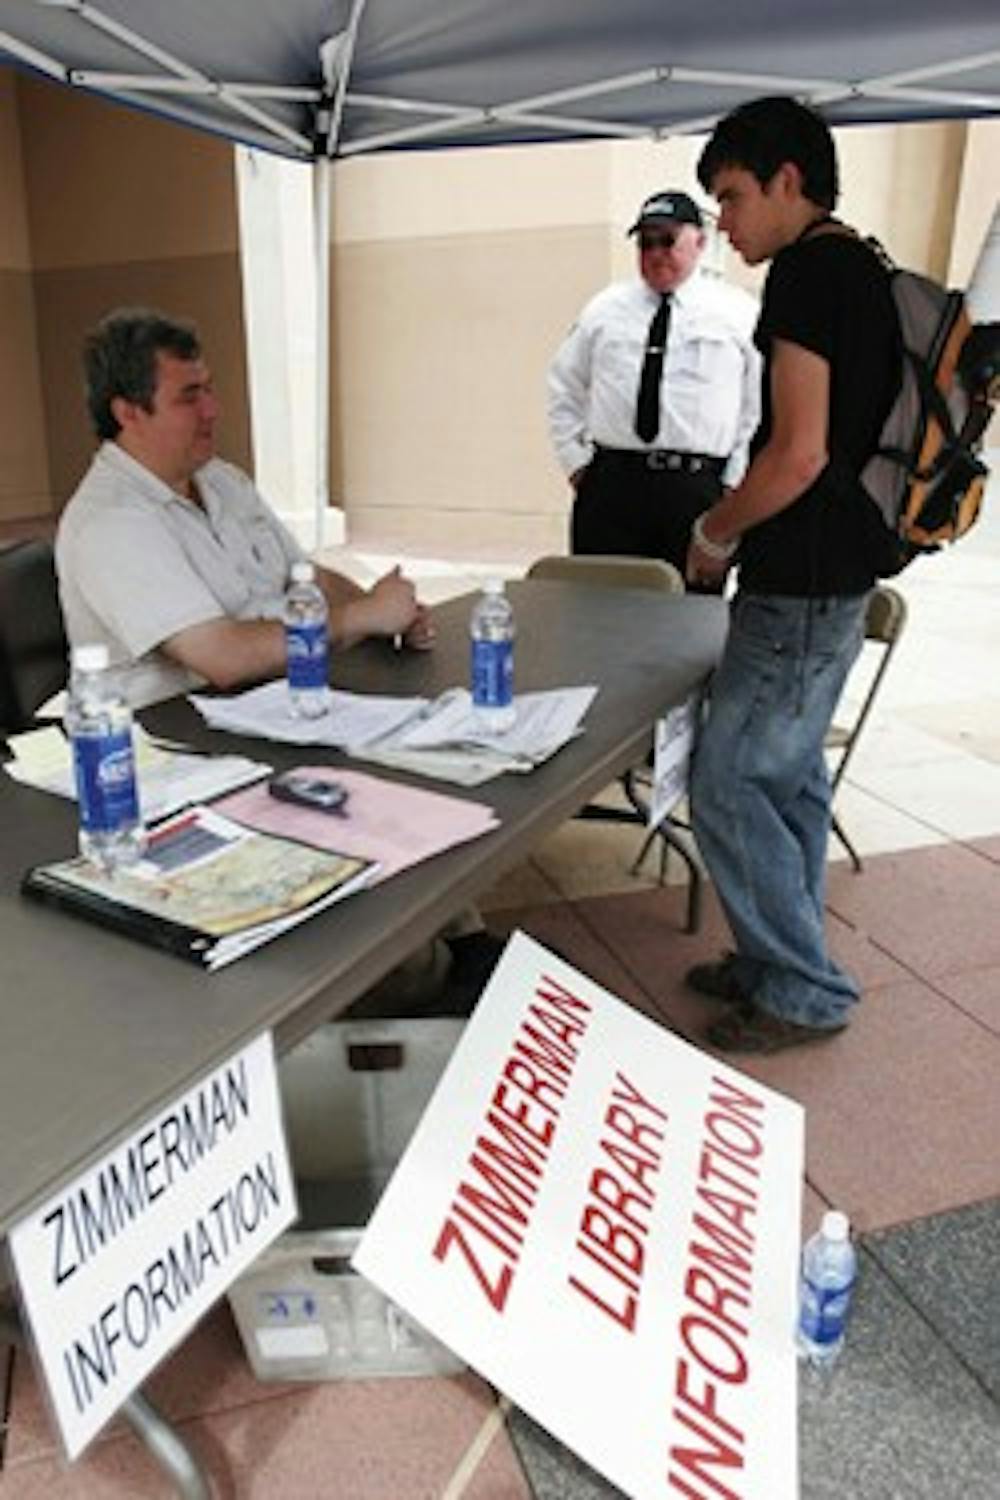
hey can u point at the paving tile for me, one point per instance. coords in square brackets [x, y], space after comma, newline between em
[949, 1269]
[900, 1418]
[524, 885]
[363, 1440]
[902, 1109]
[875, 826]
[556, 1473]
[961, 798]
[989, 848]
[585, 858]
[977, 992]
[209, 1372]
[927, 908]
[562, 929]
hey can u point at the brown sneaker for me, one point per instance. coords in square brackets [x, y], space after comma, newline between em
[747, 1028]
[718, 980]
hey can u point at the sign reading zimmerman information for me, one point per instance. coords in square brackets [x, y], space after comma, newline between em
[605, 1222]
[121, 1263]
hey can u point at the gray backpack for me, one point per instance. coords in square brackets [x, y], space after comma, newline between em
[926, 477]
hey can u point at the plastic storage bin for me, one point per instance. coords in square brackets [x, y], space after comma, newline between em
[353, 1093]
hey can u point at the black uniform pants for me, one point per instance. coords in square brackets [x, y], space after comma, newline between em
[627, 506]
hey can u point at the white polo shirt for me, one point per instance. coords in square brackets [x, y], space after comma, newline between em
[137, 563]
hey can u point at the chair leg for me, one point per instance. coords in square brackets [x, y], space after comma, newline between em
[836, 828]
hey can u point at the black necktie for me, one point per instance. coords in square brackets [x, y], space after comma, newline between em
[647, 410]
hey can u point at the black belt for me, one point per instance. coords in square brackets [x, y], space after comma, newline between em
[665, 460]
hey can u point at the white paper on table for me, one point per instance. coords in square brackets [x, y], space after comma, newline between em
[353, 718]
[543, 722]
[465, 767]
[168, 780]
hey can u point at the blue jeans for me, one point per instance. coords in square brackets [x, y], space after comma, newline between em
[760, 796]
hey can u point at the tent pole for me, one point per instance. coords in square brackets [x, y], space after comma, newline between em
[322, 168]
[336, 58]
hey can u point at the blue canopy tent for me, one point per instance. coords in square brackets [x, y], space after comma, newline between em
[313, 78]
[319, 79]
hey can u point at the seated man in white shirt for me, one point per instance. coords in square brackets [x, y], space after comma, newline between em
[169, 555]
[654, 394]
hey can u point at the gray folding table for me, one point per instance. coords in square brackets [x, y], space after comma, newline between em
[100, 1032]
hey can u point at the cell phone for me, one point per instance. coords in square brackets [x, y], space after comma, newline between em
[305, 791]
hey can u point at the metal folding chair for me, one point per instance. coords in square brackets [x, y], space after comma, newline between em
[884, 625]
[613, 571]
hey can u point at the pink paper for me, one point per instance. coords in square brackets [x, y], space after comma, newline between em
[395, 825]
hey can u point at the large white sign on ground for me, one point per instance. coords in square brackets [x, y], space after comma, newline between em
[605, 1222]
[120, 1264]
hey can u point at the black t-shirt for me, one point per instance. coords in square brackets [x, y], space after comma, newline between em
[829, 294]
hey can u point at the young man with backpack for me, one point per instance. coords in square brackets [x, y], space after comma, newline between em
[809, 545]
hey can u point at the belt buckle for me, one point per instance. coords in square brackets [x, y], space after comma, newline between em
[659, 459]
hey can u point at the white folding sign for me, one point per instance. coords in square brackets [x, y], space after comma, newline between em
[605, 1222]
[121, 1263]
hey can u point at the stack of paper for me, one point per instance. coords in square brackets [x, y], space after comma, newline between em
[353, 718]
[207, 889]
[168, 778]
[438, 737]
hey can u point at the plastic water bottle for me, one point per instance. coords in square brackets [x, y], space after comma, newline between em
[492, 631]
[99, 724]
[307, 643]
[829, 1268]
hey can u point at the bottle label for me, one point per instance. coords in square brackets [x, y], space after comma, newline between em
[824, 1311]
[307, 656]
[105, 782]
[492, 674]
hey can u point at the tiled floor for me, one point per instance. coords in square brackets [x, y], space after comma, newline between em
[903, 1125]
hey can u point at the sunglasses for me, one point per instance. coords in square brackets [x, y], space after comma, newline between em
[664, 241]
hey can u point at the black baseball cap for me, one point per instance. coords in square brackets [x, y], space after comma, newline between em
[669, 205]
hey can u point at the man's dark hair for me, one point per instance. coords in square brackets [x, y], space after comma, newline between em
[119, 359]
[763, 134]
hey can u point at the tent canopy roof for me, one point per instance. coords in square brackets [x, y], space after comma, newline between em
[338, 77]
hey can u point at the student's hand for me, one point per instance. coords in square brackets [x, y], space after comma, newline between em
[701, 568]
[422, 633]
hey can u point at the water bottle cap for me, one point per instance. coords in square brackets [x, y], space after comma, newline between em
[493, 586]
[303, 572]
[836, 1225]
[93, 657]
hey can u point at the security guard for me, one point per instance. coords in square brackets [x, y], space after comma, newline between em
[655, 393]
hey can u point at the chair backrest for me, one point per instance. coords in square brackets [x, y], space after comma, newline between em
[611, 571]
[33, 650]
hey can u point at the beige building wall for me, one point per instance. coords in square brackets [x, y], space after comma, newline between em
[457, 272]
[121, 208]
[25, 492]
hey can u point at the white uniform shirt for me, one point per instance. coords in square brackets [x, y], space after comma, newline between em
[709, 392]
[138, 562]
